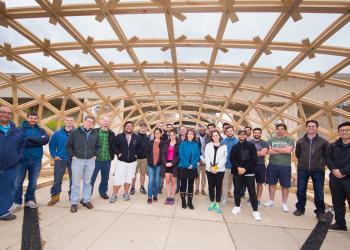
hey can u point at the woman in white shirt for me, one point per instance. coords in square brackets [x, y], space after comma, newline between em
[215, 159]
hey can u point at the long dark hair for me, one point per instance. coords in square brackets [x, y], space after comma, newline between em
[194, 133]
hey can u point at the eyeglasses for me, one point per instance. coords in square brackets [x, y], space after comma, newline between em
[5, 113]
[344, 130]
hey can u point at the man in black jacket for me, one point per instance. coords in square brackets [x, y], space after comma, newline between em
[243, 157]
[83, 146]
[126, 151]
[104, 157]
[338, 162]
[311, 153]
[142, 149]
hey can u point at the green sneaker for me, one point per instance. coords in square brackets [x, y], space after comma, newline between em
[211, 207]
[217, 208]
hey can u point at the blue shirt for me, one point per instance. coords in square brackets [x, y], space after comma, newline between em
[5, 129]
[229, 142]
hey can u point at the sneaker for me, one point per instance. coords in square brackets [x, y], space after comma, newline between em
[285, 207]
[338, 227]
[9, 216]
[167, 201]
[257, 215]
[143, 190]
[196, 192]
[223, 201]
[268, 204]
[132, 190]
[126, 197]
[155, 199]
[203, 192]
[171, 201]
[15, 208]
[298, 212]
[31, 204]
[217, 208]
[211, 207]
[236, 210]
[113, 198]
[248, 202]
[149, 201]
[229, 195]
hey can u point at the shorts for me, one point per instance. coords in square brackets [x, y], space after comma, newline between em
[275, 173]
[169, 170]
[141, 166]
[260, 173]
[124, 172]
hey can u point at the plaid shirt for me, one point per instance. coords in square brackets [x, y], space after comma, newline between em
[104, 151]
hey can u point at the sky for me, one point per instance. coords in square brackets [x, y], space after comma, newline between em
[196, 26]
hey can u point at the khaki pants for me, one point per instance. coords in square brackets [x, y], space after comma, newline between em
[202, 177]
[227, 183]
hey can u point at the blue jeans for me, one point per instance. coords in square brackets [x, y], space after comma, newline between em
[318, 184]
[58, 173]
[81, 168]
[7, 189]
[104, 166]
[32, 166]
[153, 181]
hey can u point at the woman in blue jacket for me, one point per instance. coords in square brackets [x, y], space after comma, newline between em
[189, 157]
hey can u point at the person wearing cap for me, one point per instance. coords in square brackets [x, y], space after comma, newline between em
[243, 157]
[141, 151]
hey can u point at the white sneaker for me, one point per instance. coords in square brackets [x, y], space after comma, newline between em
[31, 204]
[236, 210]
[256, 215]
[113, 198]
[223, 201]
[285, 207]
[15, 208]
[268, 204]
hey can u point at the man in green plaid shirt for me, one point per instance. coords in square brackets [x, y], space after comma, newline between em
[104, 157]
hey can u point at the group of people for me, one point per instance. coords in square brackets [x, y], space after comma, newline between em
[185, 162]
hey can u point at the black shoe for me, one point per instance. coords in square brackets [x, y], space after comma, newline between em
[132, 190]
[160, 191]
[143, 190]
[321, 217]
[189, 201]
[88, 205]
[81, 202]
[298, 212]
[10, 216]
[104, 196]
[183, 200]
[338, 227]
[74, 208]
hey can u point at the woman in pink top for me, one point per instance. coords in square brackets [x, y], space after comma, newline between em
[170, 160]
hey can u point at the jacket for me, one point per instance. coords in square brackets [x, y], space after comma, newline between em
[229, 142]
[35, 139]
[311, 154]
[58, 143]
[111, 144]
[221, 157]
[142, 145]
[11, 147]
[175, 160]
[186, 148]
[82, 145]
[244, 155]
[338, 157]
[126, 153]
[150, 154]
[202, 145]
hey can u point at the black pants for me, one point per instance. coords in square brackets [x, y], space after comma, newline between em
[249, 182]
[340, 189]
[215, 185]
[186, 185]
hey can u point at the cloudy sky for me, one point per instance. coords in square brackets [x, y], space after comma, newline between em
[195, 26]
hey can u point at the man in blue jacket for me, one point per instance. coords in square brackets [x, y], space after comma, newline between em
[11, 153]
[35, 138]
[59, 153]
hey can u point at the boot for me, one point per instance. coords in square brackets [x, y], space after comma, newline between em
[54, 199]
[183, 200]
[189, 201]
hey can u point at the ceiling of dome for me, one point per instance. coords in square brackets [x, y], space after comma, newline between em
[186, 62]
